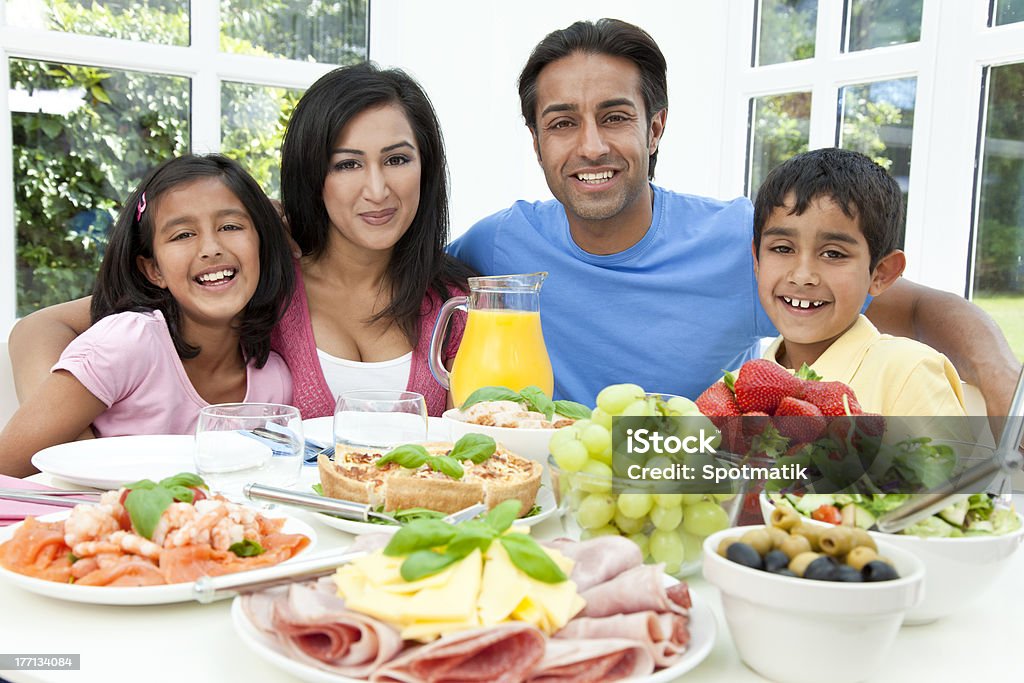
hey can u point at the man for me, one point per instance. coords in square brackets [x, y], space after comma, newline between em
[647, 285]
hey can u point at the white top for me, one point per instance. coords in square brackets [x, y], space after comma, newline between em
[343, 374]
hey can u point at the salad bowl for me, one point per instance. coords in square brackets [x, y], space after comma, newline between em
[959, 569]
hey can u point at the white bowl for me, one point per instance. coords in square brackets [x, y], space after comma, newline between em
[796, 630]
[529, 443]
[959, 570]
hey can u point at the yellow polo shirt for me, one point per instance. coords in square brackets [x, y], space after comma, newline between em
[890, 375]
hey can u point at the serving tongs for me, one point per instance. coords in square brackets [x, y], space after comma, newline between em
[1005, 460]
[207, 589]
[346, 509]
[58, 498]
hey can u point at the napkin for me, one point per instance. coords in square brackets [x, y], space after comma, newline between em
[12, 511]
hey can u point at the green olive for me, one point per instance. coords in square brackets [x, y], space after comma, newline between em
[795, 545]
[863, 538]
[810, 532]
[799, 563]
[724, 544]
[778, 536]
[759, 539]
[784, 517]
[836, 541]
[860, 556]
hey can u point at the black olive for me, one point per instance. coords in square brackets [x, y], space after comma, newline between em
[876, 570]
[785, 571]
[776, 560]
[822, 569]
[744, 554]
[848, 573]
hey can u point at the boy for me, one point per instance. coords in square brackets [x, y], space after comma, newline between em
[826, 225]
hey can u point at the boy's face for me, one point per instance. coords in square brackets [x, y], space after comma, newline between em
[813, 275]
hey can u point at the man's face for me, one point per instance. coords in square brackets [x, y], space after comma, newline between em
[592, 139]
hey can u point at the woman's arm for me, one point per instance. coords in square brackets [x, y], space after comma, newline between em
[959, 329]
[58, 411]
[38, 339]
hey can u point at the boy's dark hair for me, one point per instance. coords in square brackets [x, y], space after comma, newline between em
[419, 261]
[863, 190]
[122, 286]
[604, 37]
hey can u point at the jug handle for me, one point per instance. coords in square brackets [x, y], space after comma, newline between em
[437, 368]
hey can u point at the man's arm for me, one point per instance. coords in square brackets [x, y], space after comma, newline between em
[38, 339]
[961, 330]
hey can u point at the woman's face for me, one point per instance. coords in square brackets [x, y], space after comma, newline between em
[372, 189]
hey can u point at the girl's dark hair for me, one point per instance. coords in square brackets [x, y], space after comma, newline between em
[863, 190]
[611, 37]
[122, 286]
[418, 262]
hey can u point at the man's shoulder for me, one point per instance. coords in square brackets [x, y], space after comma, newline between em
[520, 213]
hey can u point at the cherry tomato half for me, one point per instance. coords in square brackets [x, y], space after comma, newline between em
[827, 513]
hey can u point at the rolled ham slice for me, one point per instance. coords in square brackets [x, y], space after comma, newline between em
[665, 635]
[505, 653]
[598, 559]
[599, 659]
[636, 590]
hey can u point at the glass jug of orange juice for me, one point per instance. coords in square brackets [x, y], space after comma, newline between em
[503, 344]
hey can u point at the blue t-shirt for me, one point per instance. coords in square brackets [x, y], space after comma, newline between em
[669, 313]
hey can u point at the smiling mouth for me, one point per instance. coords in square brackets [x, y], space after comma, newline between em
[595, 178]
[803, 303]
[216, 277]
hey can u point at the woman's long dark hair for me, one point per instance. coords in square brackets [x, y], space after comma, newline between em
[418, 262]
[122, 286]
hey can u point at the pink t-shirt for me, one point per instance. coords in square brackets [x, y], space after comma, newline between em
[128, 361]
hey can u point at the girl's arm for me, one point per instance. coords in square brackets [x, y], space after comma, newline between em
[38, 339]
[58, 411]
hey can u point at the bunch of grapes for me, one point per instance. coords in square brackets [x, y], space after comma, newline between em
[668, 527]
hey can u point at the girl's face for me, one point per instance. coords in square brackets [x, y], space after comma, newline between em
[372, 189]
[206, 251]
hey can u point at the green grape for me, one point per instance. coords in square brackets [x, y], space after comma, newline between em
[638, 408]
[635, 505]
[612, 399]
[691, 546]
[571, 456]
[666, 519]
[562, 436]
[667, 547]
[629, 525]
[604, 456]
[659, 462]
[581, 425]
[597, 439]
[683, 406]
[595, 511]
[642, 541]
[691, 498]
[597, 477]
[720, 497]
[705, 518]
[668, 500]
[600, 417]
[606, 530]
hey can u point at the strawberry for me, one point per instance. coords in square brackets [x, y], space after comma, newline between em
[718, 400]
[799, 420]
[829, 398]
[762, 384]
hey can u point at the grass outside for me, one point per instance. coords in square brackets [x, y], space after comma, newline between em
[1008, 312]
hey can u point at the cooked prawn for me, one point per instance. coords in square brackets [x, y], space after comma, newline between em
[88, 523]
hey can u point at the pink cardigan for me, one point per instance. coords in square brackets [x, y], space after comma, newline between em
[293, 340]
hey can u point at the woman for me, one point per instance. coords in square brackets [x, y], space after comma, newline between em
[364, 187]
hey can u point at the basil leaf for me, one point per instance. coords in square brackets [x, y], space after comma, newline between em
[491, 394]
[537, 400]
[181, 493]
[410, 456]
[141, 484]
[475, 447]
[187, 479]
[425, 563]
[419, 534]
[526, 554]
[247, 548]
[445, 464]
[318, 489]
[572, 409]
[503, 514]
[468, 540]
[145, 506]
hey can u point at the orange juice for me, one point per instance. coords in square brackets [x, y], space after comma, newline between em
[501, 348]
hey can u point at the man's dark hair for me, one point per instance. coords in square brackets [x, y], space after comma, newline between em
[603, 37]
[122, 286]
[418, 262]
[863, 190]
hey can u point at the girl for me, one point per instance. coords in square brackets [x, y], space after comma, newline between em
[196, 274]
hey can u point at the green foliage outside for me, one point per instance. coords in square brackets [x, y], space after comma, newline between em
[787, 29]
[72, 171]
[1008, 312]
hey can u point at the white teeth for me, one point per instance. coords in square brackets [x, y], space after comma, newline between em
[802, 303]
[216, 276]
[595, 177]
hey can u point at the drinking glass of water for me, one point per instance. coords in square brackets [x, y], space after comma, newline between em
[241, 443]
[377, 421]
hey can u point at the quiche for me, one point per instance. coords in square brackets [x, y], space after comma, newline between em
[354, 475]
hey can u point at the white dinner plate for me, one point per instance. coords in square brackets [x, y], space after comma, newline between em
[128, 595]
[321, 429]
[545, 499]
[702, 639]
[108, 463]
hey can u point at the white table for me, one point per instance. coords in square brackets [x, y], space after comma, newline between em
[192, 643]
